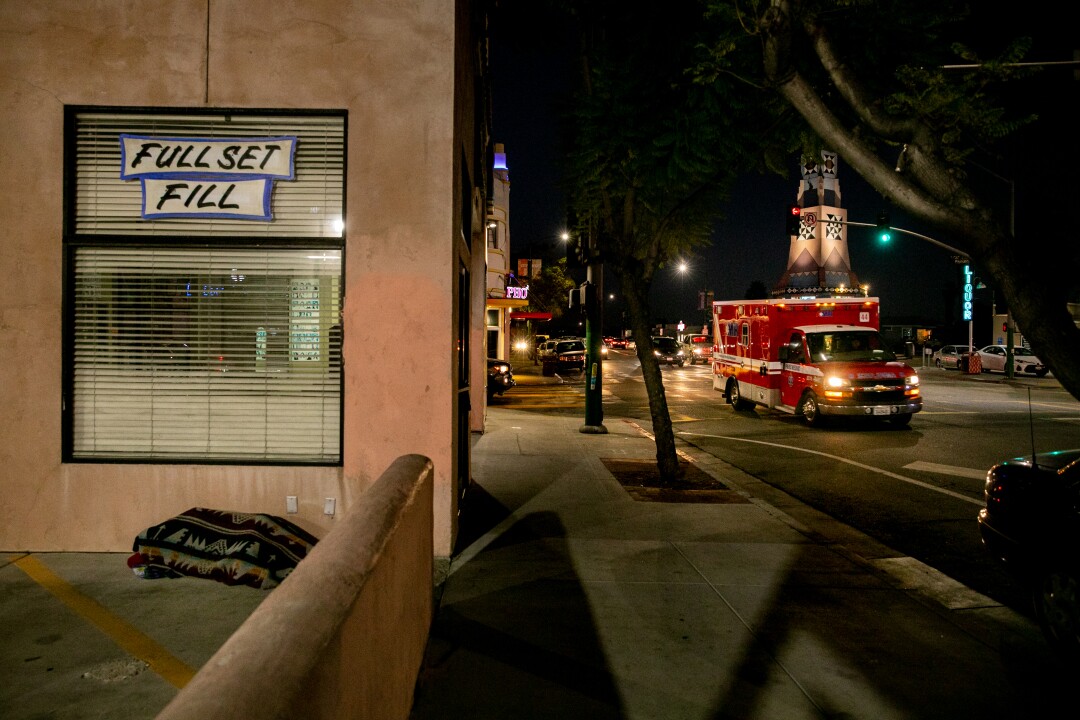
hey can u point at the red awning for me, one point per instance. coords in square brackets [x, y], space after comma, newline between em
[514, 315]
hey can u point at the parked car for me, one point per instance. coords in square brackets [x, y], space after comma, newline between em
[618, 342]
[544, 349]
[700, 347]
[948, 356]
[993, 359]
[669, 350]
[1031, 522]
[500, 377]
[564, 355]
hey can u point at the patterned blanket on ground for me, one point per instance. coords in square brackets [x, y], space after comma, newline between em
[230, 547]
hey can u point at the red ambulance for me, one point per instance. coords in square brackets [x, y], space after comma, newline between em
[815, 358]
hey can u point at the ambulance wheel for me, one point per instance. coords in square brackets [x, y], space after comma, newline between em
[735, 397]
[810, 411]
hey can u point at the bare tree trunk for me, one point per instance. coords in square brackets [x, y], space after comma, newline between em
[635, 292]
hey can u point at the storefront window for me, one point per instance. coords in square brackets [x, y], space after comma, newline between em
[218, 340]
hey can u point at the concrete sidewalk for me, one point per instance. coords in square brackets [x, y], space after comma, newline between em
[569, 598]
[574, 595]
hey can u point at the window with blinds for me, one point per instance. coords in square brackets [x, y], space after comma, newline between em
[102, 203]
[220, 340]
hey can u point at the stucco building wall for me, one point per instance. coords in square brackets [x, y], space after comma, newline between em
[391, 67]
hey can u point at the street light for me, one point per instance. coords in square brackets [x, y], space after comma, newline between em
[704, 302]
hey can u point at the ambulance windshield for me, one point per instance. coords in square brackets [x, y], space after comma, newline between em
[848, 346]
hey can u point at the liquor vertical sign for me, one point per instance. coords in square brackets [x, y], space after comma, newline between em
[967, 304]
[207, 177]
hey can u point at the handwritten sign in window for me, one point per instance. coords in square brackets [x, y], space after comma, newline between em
[186, 177]
[304, 320]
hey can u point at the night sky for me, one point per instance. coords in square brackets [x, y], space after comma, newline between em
[915, 280]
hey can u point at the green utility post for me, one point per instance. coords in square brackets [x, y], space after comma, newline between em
[1010, 372]
[594, 339]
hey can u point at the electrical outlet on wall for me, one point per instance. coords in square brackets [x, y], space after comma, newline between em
[291, 505]
[328, 507]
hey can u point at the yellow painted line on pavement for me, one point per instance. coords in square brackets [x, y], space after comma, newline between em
[142, 647]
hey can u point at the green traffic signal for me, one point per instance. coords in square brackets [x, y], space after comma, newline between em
[884, 232]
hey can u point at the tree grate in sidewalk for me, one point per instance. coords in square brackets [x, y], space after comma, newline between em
[641, 480]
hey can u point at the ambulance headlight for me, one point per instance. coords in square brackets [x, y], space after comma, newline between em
[911, 381]
[837, 388]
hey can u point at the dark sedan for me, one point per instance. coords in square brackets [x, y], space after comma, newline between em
[1032, 523]
[669, 350]
[568, 355]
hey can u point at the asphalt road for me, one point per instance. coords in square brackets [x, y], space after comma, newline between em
[916, 489]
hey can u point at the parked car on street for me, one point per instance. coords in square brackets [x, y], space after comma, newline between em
[544, 349]
[563, 354]
[700, 347]
[993, 359]
[500, 377]
[1031, 522]
[948, 356]
[669, 350]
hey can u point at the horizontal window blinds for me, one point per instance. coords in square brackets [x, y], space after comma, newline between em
[309, 205]
[195, 354]
[220, 340]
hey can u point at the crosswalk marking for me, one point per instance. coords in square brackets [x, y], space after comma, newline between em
[946, 469]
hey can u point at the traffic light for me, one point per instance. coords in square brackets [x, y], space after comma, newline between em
[884, 232]
[583, 297]
[575, 252]
[794, 219]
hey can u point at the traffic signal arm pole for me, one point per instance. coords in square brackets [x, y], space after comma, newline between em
[940, 244]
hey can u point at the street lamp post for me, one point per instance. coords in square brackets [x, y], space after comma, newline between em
[703, 295]
[594, 312]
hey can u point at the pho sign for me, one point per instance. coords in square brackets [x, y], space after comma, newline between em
[514, 292]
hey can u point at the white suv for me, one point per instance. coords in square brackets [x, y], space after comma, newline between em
[700, 348]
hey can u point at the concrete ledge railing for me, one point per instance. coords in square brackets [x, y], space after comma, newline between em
[344, 635]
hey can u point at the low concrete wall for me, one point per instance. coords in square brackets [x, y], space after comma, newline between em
[344, 634]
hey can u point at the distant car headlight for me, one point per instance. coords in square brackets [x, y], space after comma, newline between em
[521, 345]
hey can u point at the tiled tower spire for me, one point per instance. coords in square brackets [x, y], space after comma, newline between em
[818, 262]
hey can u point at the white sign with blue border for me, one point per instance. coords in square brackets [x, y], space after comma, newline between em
[207, 177]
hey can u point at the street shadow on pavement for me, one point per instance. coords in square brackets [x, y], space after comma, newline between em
[850, 642]
[513, 636]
